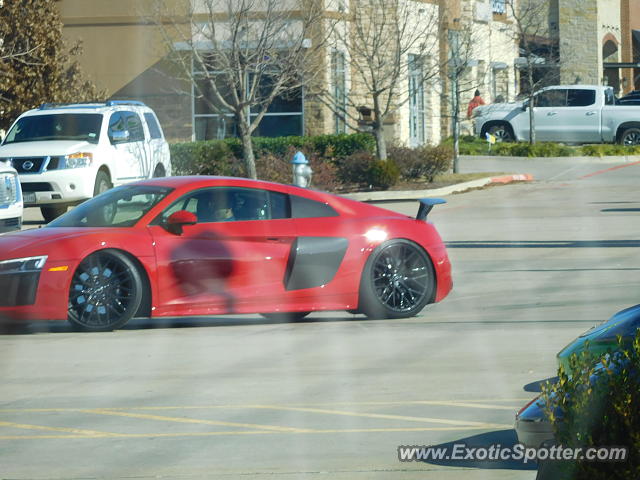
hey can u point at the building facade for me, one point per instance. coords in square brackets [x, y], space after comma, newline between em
[125, 54]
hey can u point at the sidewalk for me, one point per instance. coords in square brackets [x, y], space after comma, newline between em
[386, 195]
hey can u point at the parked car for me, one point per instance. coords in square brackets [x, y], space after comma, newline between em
[10, 199]
[66, 154]
[570, 114]
[532, 426]
[213, 245]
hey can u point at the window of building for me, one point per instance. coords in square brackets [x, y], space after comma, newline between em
[284, 115]
[339, 79]
[499, 6]
[416, 101]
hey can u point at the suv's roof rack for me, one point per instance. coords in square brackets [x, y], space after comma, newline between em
[108, 103]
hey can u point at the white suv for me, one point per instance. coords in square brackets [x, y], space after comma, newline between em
[68, 153]
[10, 199]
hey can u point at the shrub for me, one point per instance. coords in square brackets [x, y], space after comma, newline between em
[325, 174]
[523, 149]
[606, 150]
[599, 406]
[423, 162]
[204, 158]
[383, 174]
[355, 168]
[363, 169]
[274, 168]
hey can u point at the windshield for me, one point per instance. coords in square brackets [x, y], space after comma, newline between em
[119, 207]
[63, 126]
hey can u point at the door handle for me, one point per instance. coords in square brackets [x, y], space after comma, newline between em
[590, 114]
[274, 239]
[551, 114]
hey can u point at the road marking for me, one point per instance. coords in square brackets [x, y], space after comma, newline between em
[375, 415]
[606, 170]
[256, 432]
[192, 420]
[55, 429]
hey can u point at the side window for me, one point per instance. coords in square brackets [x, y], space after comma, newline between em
[551, 98]
[305, 208]
[152, 123]
[134, 125]
[117, 123]
[228, 204]
[581, 97]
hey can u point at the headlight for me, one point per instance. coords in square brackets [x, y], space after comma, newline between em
[8, 161]
[23, 265]
[78, 160]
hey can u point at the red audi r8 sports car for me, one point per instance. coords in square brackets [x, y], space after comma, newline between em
[214, 245]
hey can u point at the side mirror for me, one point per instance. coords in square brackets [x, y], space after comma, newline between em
[178, 220]
[119, 136]
[525, 105]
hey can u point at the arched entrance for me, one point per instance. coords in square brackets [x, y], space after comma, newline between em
[610, 55]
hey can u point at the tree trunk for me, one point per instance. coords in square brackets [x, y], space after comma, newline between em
[247, 153]
[381, 144]
[532, 118]
[456, 128]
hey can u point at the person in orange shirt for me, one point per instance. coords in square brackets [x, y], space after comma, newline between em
[476, 101]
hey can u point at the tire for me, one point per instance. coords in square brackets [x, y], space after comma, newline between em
[502, 132]
[105, 293]
[159, 171]
[52, 212]
[398, 281]
[630, 137]
[103, 183]
[285, 317]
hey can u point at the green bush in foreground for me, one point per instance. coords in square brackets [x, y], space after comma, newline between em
[598, 413]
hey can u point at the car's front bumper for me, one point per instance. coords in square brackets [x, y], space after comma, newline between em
[62, 186]
[11, 217]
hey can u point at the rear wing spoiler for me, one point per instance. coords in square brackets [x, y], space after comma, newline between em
[426, 205]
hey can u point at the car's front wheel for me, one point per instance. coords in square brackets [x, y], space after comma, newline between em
[502, 132]
[105, 293]
[397, 282]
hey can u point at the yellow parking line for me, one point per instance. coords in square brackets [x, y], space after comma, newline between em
[374, 415]
[193, 420]
[258, 432]
[55, 429]
[469, 405]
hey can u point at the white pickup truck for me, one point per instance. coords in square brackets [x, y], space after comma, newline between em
[563, 113]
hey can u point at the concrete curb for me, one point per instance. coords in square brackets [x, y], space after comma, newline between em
[570, 160]
[388, 195]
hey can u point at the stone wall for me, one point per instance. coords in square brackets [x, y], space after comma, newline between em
[580, 47]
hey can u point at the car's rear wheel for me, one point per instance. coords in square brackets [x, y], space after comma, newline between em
[105, 293]
[630, 137]
[285, 316]
[397, 282]
[52, 212]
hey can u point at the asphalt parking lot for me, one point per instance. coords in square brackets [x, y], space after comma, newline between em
[334, 396]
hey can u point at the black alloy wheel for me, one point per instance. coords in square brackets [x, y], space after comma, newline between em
[105, 293]
[397, 282]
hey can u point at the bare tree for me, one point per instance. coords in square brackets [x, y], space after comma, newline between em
[538, 49]
[463, 40]
[240, 55]
[383, 41]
